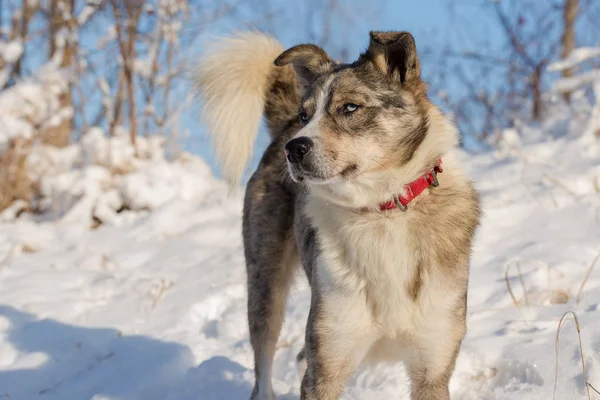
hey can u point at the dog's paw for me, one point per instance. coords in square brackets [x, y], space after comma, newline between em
[260, 395]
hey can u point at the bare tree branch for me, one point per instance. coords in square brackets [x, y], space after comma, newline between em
[568, 37]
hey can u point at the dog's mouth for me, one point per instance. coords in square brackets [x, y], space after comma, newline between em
[298, 173]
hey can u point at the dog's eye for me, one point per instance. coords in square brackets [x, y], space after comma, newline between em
[350, 107]
[303, 117]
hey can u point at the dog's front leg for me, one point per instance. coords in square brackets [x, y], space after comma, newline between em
[433, 363]
[338, 335]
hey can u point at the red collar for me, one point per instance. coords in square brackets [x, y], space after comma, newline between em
[414, 189]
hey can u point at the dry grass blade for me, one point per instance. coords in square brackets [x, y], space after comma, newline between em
[158, 291]
[587, 276]
[527, 186]
[522, 284]
[14, 180]
[509, 286]
[558, 183]
[560, 325]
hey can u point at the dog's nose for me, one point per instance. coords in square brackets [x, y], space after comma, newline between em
[296, 149]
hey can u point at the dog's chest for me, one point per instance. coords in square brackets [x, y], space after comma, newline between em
[369, 256]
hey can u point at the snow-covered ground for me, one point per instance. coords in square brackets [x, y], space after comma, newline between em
[151, 304]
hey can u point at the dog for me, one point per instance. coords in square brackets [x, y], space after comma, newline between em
[362, 186]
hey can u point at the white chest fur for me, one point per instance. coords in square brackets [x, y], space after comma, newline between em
[364, 272]
[369, 256]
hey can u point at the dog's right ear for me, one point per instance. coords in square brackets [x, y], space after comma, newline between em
[309, 62]
[395, 54]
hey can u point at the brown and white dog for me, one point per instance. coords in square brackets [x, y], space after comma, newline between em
[348, 188]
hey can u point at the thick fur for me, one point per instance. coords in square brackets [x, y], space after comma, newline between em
[233, 79]
[386, 286]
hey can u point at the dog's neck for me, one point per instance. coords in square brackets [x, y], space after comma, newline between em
[370, 189]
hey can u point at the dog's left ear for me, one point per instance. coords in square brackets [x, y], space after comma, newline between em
[309, 62]
[395, 54]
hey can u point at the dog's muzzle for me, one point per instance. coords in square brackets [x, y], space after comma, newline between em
[296, 149]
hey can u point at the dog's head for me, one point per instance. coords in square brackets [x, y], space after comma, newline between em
[357, 118]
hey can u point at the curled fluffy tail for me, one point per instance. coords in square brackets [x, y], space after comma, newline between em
[238, 83]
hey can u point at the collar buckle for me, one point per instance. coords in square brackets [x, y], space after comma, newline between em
[434, 179]
[399, 204]
[413, 189]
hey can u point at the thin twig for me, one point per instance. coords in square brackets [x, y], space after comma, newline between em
[526, 185]
[560, 325]
[157, 294]
[508, 285]
[514, 299]
[522, 283]
[558, 183]
[587, 276]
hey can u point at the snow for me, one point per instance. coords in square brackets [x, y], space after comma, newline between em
[100, 176]
[87, 12]
[575, 58]
[143, 67]
[573, 83]
[586, 78]
[151, 304]
[10, 52]
[32, 104]
[129, 281]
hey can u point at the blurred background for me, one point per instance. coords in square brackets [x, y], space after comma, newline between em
[121, 264]
[125, 65]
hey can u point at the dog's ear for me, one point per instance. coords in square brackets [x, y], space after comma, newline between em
[309, 61]
[395, 54]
